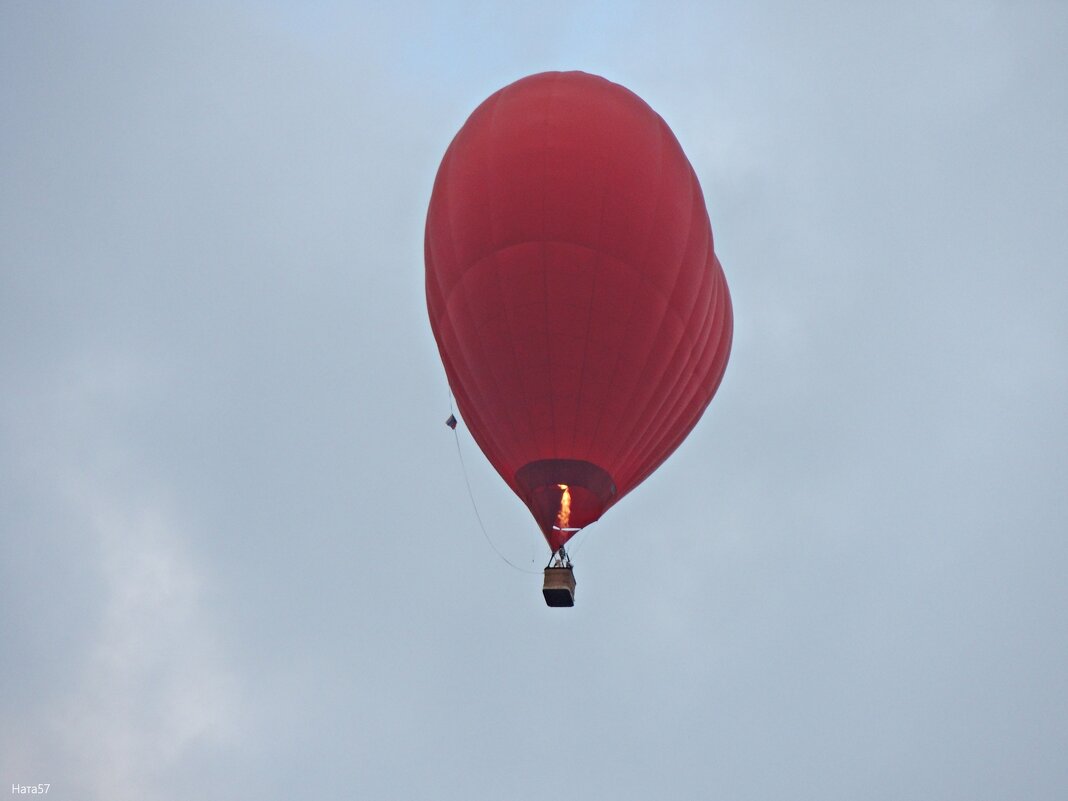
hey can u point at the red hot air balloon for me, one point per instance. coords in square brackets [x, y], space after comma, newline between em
[577, 302]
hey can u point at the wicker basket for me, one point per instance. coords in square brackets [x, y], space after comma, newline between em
[559, 587]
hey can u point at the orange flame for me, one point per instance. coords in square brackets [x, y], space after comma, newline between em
[563, 518]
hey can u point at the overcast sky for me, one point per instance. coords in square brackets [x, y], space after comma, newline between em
[238, 555]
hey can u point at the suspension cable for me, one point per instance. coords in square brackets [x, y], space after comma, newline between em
[474, 506]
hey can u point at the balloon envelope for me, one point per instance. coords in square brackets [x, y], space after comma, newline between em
[577, 302]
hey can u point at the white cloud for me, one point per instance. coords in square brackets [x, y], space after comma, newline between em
[157, 681]
[152, 681]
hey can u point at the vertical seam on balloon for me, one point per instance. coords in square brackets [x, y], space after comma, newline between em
[597, 259]
[675, 403]
[544, 268]
[654, 409]
[489, 433]
[724, 337]
[713, 355]
[438, 278]
[476, 423]
[637, 430]
[504, 308]
[469, 412]
[461, 391]
[452, 228]
[698, 358]
[634, 299]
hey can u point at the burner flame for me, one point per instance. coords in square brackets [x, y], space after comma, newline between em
[563, 517]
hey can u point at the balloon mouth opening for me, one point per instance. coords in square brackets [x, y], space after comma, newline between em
[564, 495]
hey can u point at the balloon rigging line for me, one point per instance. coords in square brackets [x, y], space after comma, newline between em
[581, 537]
[471, 495]
[478, 517]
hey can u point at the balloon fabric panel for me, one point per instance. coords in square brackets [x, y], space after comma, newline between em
[573, 290]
